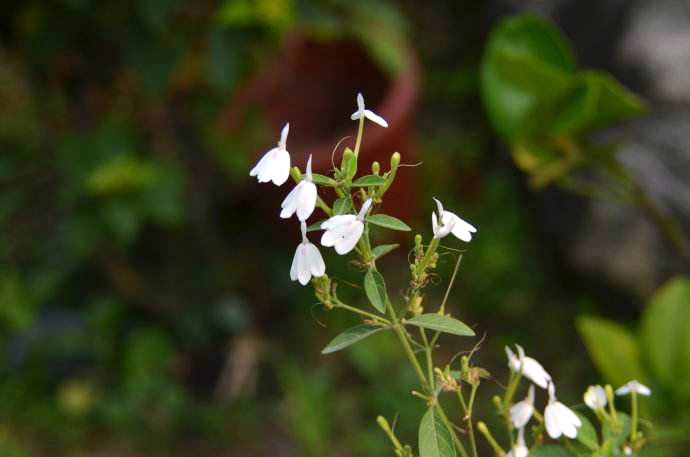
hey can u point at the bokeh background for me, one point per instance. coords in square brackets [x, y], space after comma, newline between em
[145, 302]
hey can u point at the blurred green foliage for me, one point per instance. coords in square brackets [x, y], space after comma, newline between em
[134, 261]
[657, 354]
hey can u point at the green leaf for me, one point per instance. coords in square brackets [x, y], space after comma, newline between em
[434, 437]
[380, 251]
[612, 348]
[389, 222]
[665, 334]
[550, 450]
[587, 434]
[441, 323]
[369, 180]
[322, 180]
[341, 206]
[351, 336]
[591, 100]
[375, 287]
[614, 437]
[526, 59]
[316, 226]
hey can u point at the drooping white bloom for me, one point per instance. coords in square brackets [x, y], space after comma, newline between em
[450, 223]
[302, 198]
[520, 446]
[559, 419]
[521, 412]
[307, 261]
[595, 397]
[634, 386]
[529, 367]
[363, 112]
[343, 231]
[275, 164]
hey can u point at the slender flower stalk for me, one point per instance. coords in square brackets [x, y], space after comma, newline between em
[520, 448]
[302, 198]
[275, 164]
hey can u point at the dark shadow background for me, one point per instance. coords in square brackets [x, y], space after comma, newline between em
[145, 302]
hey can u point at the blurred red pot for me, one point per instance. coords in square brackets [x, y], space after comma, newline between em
[313, 84]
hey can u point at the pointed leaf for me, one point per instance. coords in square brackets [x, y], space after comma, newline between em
[322, 180]
[351, 336]
[434, 437]
[369, 180]
[380, 251]
[375, 287]
[612, 348]
[341, 206]
[441, 323]
[316, 226]
[586, 433]
[665, 338]
[389, 222]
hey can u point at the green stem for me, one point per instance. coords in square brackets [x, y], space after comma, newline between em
[507, 402]
[380, 319]
[451, 429]
[324, 207]
[358, 141]
[633, 427]
[468, 416]
[402, 336]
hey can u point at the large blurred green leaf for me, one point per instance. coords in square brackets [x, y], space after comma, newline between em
[665, 334]
[531, 89]
[526, 59]
[613, 349]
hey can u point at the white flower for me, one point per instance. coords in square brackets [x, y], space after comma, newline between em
[528, 367]
[343, 231]
[363, 112]
[634, 386]
[595, 397]
[450, 223]
[521, 412]
[275, 164]
[302, 198]
[520, 447]
[307, 261]
[559, 419]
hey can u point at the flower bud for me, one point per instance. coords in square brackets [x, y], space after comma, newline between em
[375, 167]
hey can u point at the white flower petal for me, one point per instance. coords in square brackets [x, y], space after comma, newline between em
[360, 101]
[521, 412]
[337, 231]
[306, 200]
[372, 116]
[335, 221]
[282, 144]
[535, 372]
[260, 165]
[634, 386]
[461, 229]
[434, 224]
[316, 265]
[595, 397]
[551, 420]
[363, 210]
[349, 240]
[295, 261]
[281, 167]
[290, 203]
[303, 270]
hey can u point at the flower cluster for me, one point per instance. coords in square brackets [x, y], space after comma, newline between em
[558, 419]
[341, 231]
